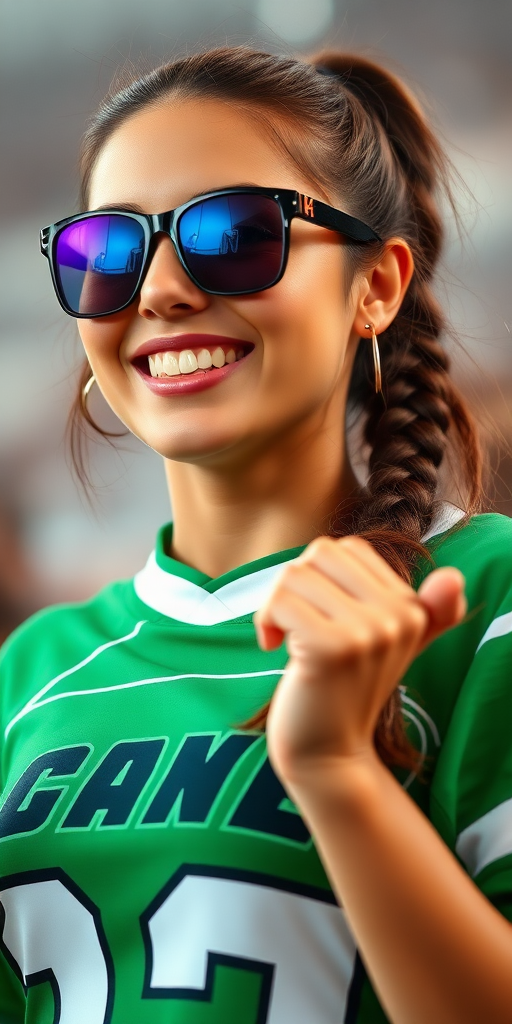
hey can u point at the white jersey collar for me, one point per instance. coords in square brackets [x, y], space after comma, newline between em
[180, 599]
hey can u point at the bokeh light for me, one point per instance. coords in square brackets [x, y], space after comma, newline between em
[296, 21]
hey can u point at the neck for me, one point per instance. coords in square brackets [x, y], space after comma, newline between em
[280, 499]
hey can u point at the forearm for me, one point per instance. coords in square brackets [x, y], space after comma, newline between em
[436, 950]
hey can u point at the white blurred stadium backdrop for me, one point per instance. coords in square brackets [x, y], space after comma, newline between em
[57, 58]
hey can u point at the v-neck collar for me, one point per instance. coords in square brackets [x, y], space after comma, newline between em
[208, 583]
[181, 592]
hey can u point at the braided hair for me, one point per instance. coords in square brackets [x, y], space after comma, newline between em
[357, 132]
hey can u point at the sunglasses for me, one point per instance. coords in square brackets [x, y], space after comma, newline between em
[230, 242]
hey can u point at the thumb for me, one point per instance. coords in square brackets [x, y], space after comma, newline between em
[442, 595]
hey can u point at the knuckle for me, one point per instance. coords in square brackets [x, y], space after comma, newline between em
[319, 546]
[290, 574]
[388, 632]
[405, 626]
[288, 570]
[361, 640]
[273, 599]
[280, 592]
[415, 619]
[353, 540]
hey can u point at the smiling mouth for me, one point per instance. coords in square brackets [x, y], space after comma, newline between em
[191, 360]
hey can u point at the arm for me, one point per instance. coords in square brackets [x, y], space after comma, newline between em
[435, 948]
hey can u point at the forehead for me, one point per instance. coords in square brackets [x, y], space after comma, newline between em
[166, 153]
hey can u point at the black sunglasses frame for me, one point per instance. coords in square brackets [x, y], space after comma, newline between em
[291, 204]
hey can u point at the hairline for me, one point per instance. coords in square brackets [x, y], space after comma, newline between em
[259, 112]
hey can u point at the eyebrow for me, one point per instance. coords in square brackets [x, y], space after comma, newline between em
[134, 208]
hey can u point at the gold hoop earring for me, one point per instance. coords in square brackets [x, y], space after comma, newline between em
[376, 358]
[86, 388]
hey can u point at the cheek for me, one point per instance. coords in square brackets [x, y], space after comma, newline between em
[304, 318]
[312, 287]
[102, 341]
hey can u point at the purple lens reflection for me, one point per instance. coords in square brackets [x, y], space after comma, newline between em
[233, 243]
[98, 262]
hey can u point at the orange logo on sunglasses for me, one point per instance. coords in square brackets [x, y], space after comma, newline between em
[306, 205]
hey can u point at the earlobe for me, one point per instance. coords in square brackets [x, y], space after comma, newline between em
[386, 285]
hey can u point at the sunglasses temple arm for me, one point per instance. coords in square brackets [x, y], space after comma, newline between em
[328, 217]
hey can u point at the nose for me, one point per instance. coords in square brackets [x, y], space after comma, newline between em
[167, 291]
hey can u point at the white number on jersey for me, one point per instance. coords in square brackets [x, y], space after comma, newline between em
[52, 936]
[299, 944]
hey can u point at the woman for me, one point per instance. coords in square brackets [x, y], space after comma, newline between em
[157, 864]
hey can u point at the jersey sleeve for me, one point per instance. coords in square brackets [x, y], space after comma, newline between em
[471, 793]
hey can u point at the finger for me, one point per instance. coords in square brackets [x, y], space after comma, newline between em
[354, 628]
[340, 585]
[323, 593]
[269, 637]
[353, 564]
[287, 612]
[318, 590]
[442, 594]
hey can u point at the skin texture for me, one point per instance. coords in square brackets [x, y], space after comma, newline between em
[256, 464]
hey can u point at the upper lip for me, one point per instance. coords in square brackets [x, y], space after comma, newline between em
[178, 342]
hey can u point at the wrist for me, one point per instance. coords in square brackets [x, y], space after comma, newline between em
[341, 781]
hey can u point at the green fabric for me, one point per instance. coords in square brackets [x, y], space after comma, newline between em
[147, 799]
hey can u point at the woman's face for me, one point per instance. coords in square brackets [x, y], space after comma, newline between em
[297, 336]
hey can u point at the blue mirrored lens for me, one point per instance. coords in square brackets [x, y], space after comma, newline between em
[98, 262]
[233, 243]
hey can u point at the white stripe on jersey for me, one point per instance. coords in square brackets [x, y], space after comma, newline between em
[33, 706]
[487, 839]
[416, 718]
[69, 671]
[421, 711]
[498, 627]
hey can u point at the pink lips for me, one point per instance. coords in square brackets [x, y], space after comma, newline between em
[187, 383]
[178, 342]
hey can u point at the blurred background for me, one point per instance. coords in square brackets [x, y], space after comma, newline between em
[57, 58]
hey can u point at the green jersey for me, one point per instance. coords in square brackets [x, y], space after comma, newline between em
[152, 868]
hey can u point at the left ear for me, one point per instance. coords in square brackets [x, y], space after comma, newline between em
[383, 287]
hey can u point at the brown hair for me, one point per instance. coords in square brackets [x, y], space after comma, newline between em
[361, 136]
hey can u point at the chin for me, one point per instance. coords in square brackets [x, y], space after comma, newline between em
[185, 447]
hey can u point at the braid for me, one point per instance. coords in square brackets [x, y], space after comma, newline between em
[408, 437]
[408, 440]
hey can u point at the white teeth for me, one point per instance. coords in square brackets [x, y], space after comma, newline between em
[204, 359]
[218, 357]
[188, 361]
[170, 364]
